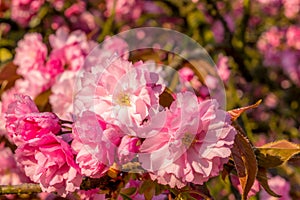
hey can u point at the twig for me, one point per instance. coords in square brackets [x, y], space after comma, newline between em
[25, 188]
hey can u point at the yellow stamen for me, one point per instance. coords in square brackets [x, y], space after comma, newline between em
[188, 139]
[123, 99]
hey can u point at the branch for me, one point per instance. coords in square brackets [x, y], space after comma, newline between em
[25, 188]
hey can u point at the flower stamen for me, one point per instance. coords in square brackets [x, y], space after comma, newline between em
[123, 99]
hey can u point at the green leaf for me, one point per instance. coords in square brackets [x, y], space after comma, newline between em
[245, 163]
[276, 153]
[125, 197]
[263, 181]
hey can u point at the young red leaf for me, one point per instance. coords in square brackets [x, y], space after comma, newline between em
[245, 163]
[235, 113]
[263, 181]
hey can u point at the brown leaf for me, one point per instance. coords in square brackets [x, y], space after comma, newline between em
[235, 113]
[42, 101]
[148, 189]
[166, 98]
[263, 181]
[228, 167]
[276, 153]
[198, 191]
[8, 75]
[128, 191]
[245, 163]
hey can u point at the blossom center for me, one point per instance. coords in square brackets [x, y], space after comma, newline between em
[188, 139]
[123, 99]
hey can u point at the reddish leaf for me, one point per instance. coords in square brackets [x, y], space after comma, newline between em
[227, 169]
[263, 180]
[200, 191]
[235, 113]
[8, 75]
[245, 163]
[166, 98]
[276, 153]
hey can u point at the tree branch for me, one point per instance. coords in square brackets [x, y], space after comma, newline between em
[25, 188]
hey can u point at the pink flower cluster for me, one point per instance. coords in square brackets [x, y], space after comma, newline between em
[281, 48]
[41, 71]
[188, 142]
[192, 146]
[117, 113]
[125, 9]
[46, 158]
[23, 10]
[291, 7]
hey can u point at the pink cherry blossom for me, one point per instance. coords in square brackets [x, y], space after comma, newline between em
[218, 31]
[23, 10]
[290, 64]
[116, 45]
[22, 86]
[293, 36]
[70, 49]
[75, 9]
[61, 98]
[95, 142]
[41, 75]
[268, 44]
[223, 68]
[280, 48]
[291, 8]
[31, 53]
[280, 186]
[188, 80]
[192, 147]
[121, 93]
[80, 18]
[2, 121]
[57, 4]
[125, 9]
[49, 161]
[128, 148]
[10, 173]
[24, 122]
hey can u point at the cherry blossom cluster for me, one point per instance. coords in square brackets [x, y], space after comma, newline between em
[281, 48]
[113, 117]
